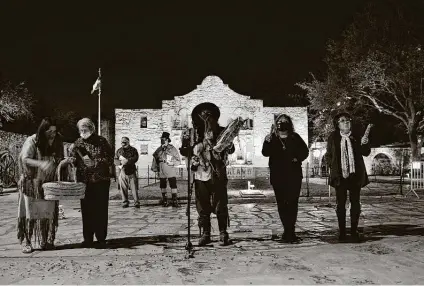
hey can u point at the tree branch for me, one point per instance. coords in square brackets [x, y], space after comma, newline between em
[385, 110]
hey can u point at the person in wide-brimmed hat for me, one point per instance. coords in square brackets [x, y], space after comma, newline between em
[344, 156]
[209, 170]
[204, 109]
[165, 158]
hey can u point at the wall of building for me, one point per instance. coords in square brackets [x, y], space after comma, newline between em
[174, 116]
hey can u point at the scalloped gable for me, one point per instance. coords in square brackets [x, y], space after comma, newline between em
[175, 114]
[216, 87]
[214, 90]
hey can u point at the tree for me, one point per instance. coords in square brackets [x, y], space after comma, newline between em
[67, 119]
[16, 102]
[377, 65]
[326, 99]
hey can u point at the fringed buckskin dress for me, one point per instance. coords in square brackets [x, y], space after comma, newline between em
[37, 217]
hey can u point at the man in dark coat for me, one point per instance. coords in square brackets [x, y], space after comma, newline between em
[209, 170]
[347, 171]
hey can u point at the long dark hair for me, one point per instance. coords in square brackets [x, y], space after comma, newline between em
[41, 140]
[289, 120]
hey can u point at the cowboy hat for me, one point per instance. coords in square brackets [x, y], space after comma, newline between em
[205, 106]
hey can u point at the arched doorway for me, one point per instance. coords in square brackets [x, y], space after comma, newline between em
[382, 165]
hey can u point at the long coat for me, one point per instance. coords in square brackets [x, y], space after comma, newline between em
[281, 165]
[160, 160]
[333, 157]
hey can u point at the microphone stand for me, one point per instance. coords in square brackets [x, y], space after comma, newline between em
[189, 245]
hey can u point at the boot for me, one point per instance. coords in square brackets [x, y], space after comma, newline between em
[205, 223]
[205, 238]
[224, 238]
[291, 237]
[341, 217]
[175, 201]
[164, 200]
[354, 220]
[283, 219]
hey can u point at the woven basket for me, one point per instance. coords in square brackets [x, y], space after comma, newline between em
[55, 191]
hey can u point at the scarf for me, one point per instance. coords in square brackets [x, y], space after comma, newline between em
[347, 160]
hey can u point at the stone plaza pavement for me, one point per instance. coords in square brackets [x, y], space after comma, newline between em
[146, 246]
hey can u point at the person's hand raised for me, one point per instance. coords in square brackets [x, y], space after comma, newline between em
[268, 137]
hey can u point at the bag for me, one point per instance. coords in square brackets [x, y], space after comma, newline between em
[155, 166]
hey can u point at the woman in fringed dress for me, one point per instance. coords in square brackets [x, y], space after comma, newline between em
[38, 160]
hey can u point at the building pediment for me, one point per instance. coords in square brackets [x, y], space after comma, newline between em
[215, 88]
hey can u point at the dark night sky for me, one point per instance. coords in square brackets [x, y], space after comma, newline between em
[157, 51]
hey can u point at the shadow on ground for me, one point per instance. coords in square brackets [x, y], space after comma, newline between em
[372, 233]
[130, 242]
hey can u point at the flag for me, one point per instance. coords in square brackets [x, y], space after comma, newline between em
[96, 85]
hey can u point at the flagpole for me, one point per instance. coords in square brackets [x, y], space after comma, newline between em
[100, 92]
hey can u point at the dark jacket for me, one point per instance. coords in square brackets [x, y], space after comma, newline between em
[334, 161]
[99, 150]
[131, 155]
[281, 165]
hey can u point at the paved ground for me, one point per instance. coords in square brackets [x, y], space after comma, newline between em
[146, 246]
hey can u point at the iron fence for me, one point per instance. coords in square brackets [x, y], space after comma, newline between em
[314, 180]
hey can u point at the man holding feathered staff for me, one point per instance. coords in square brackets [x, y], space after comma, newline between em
[210, 145]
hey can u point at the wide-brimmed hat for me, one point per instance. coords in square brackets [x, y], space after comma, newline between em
[205, 106]
[166, 135]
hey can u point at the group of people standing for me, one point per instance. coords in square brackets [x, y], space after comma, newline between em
[40, 156]
[93, 157]
[165, 158]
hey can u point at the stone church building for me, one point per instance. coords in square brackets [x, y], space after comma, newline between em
[145, 126]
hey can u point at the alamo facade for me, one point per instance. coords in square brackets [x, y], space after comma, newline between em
[145, 126]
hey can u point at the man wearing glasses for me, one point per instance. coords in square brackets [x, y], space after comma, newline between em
[125, 159]
[347, 171]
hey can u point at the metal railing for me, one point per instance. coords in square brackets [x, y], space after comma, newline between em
[416, 178]
[314, 181]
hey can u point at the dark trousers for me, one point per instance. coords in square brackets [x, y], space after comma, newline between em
[94, 210]
[212, 197]
[355, 204]
[287, 197]
[172, 182]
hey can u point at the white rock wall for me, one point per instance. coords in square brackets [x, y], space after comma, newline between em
[231, 105]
